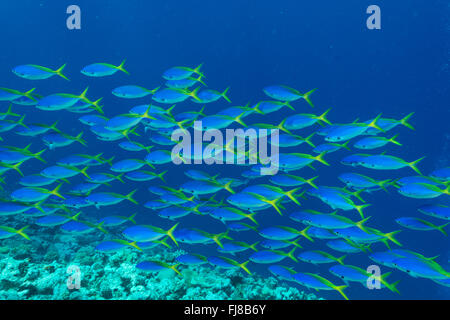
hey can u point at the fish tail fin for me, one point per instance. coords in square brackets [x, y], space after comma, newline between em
[253, 246]
[281, 127]
[96, 106]
[119, 177]
[374, 123]
[441, 228]
[311, 182]
[194, 92]
[391, 236]
[357, 195]
[131, 218]
[134, 245]
[306, 97]
[82, 96]
[16, 167]
[340, 289]
[54, 128]
[161, 176]
[295, 242]
[121, 68]
[360, 224]
[199, 79]
[320, 158]
[393, 286]
[169, 233]
[290, 254]
[238, 119]
[291, 195]
[20, 122]
[257, 109]
[29, 94]
[75, 217]
[10, 113]
[384, 183]
[360, 208]
[59, 72]
[38, 206]
[163, 242]
[323, 117]
[80, 140]
[414, 167]
[22, 233]
[37, 155]
[251, 216]
[345, 145]
[55, 191]
[84, 173]
[224, 94]
[100, 227]
[308, 140]
[392, 140]
[276, 204]
[405, 122]
[304, 233]
[197, 70]
[244, 266]
[129, 196]
[287, 104]
[340, 260]
[174, 268]
[108, 161]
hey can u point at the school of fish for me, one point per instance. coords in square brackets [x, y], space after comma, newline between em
[55, 194]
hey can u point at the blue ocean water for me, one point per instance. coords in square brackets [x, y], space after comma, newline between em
[247, 45]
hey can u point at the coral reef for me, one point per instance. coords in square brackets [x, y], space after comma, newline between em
[38, 270]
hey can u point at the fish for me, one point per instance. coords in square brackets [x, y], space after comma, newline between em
[414, 223]
[174, 95]
[100, 199]
[285, 93]
[438, 211]
[115, 245]
[157, 266]
[114, 221]
[35, 194]
[284, 233]
[388, 162]
[146, 233]
[54, 220]
[209, 95]
[226, 214]
[180, 73]
[422, 191]
[191, 259]
[272, 256]
[132, 91]
[227, 263]
[8, 232]
[103, 69]
[329, 221]
[282, 272]
[317, 282]
[421, 268]
[7, 94]
[319, 257]
[350, 273]
[234, 247]
[36, 72]
[57, 140]
[374, 142]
